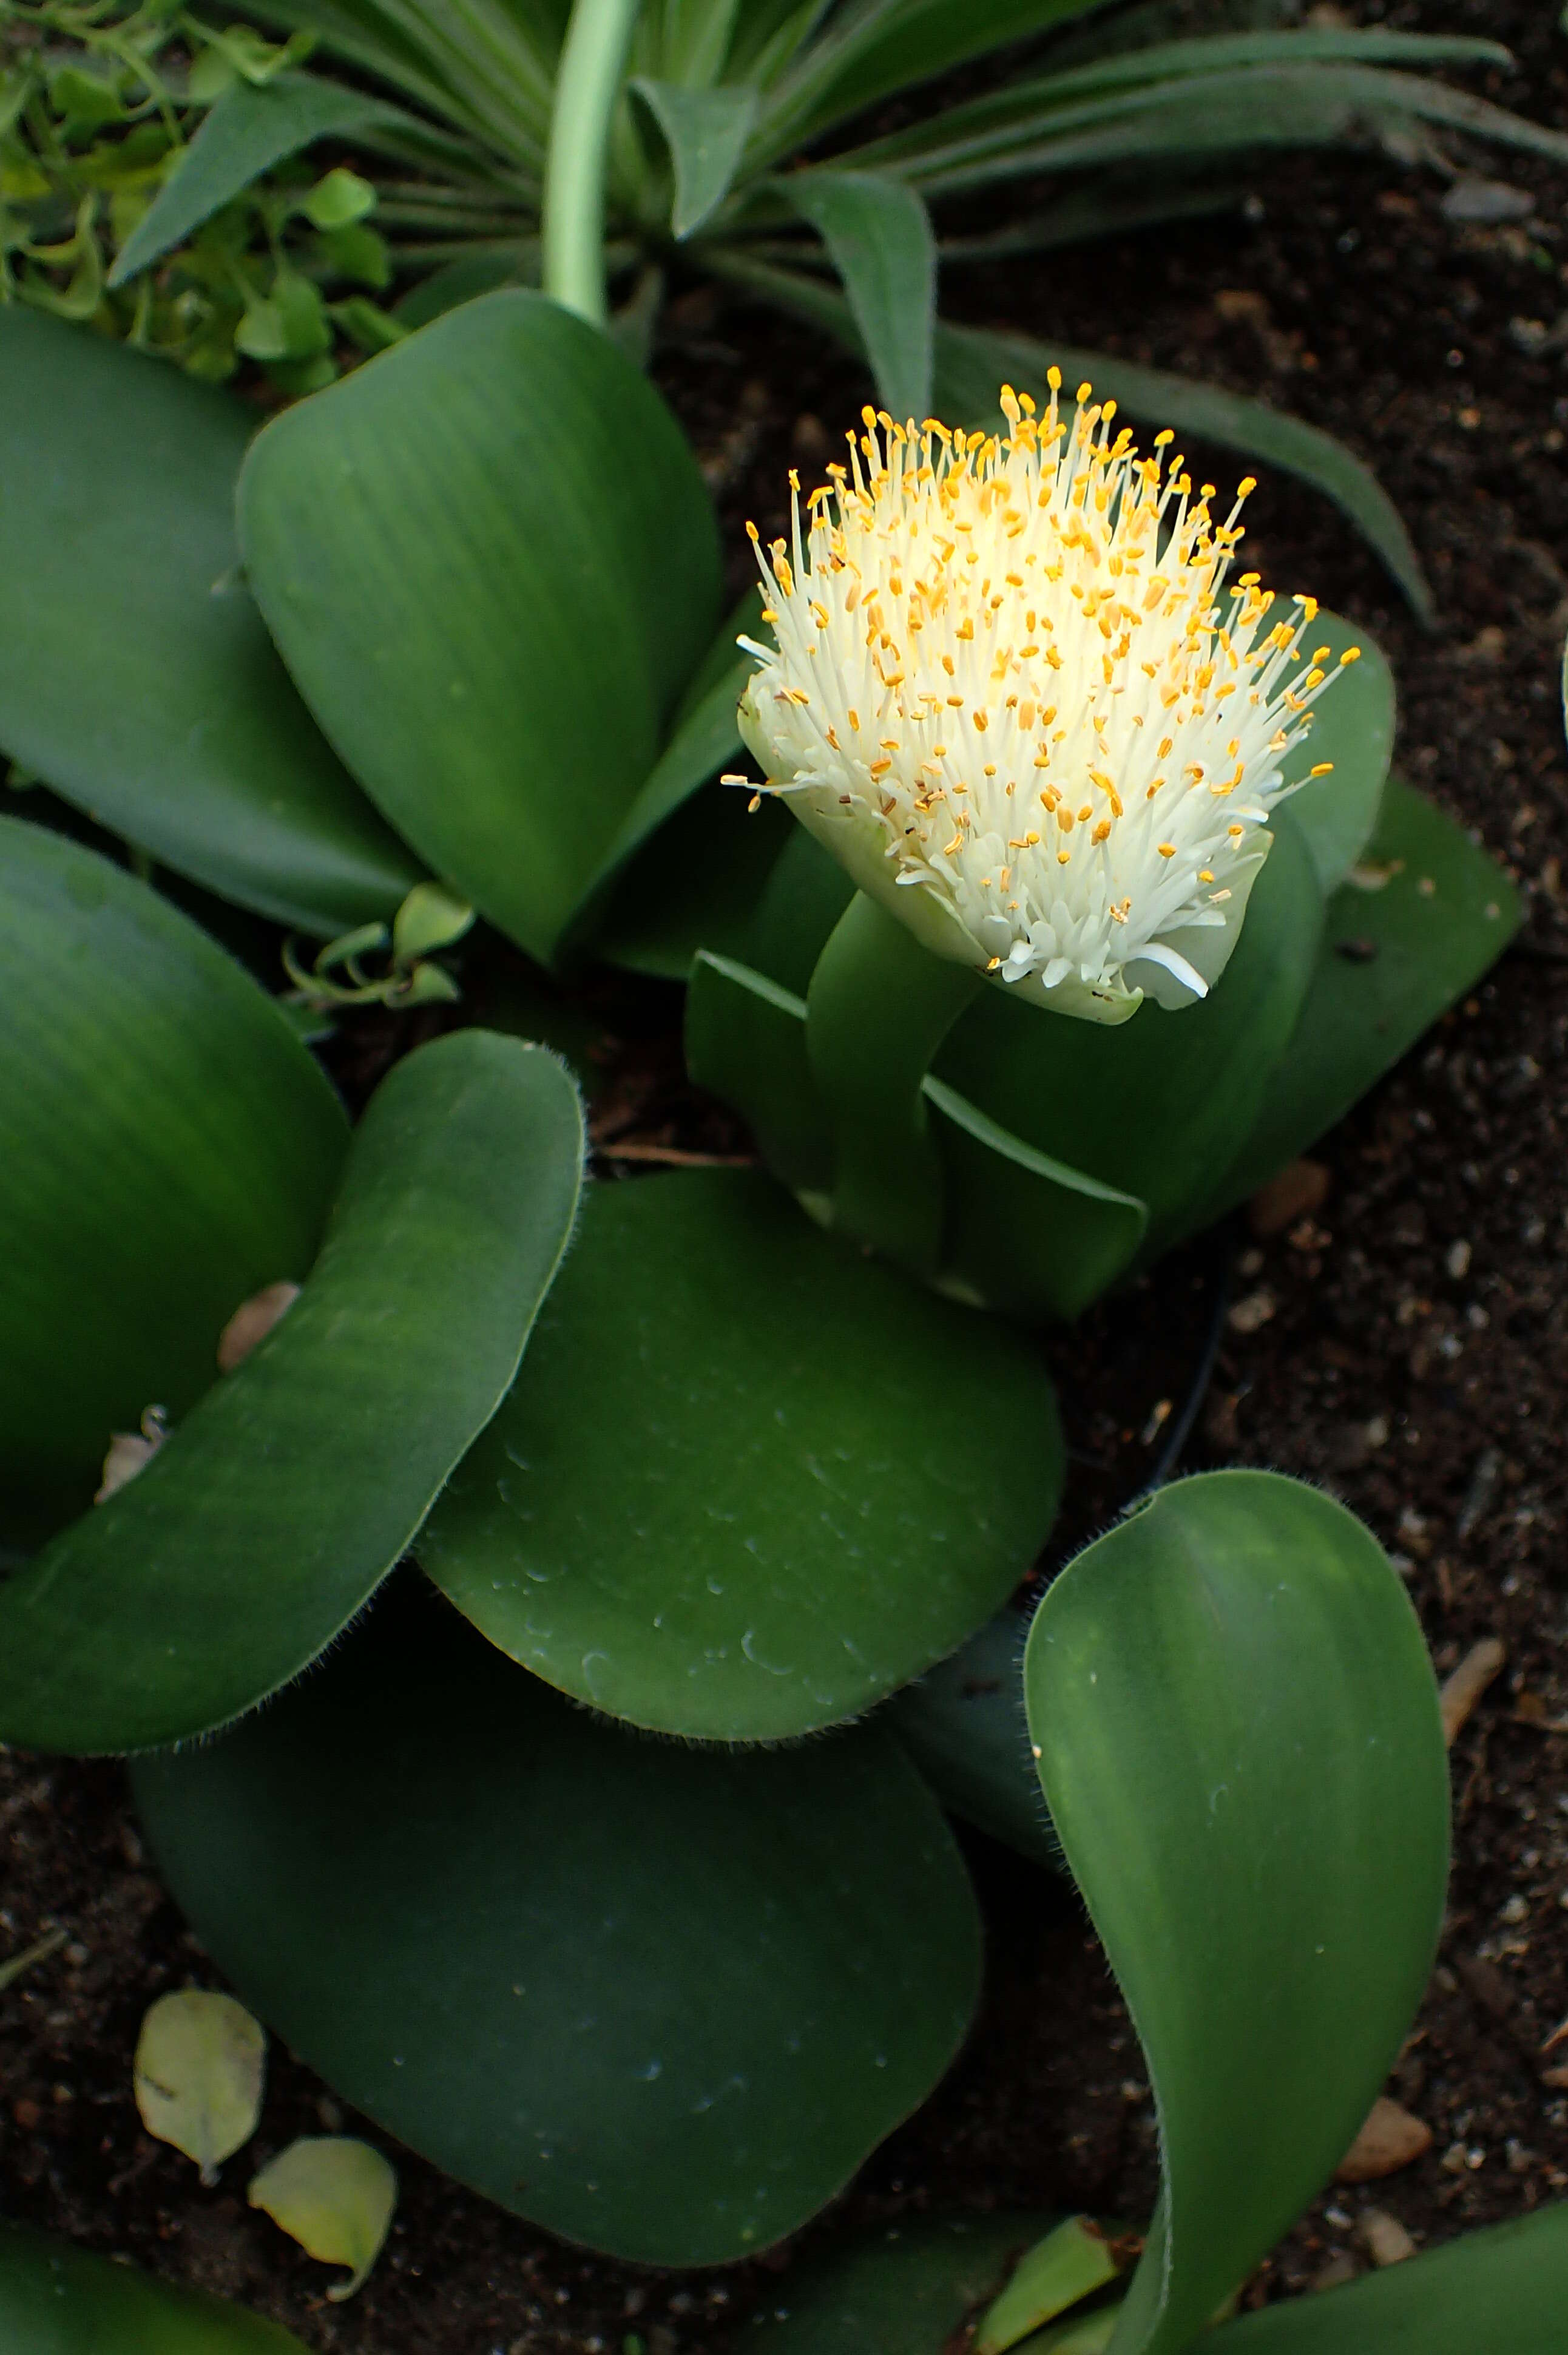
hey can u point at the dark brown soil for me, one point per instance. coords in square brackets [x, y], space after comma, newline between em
[1407, 1347]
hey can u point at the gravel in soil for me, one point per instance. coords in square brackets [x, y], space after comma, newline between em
[1404, 1343]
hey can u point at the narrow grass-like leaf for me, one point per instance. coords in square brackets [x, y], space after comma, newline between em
[879, 238]
[705, 131]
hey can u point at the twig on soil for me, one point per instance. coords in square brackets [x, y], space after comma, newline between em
[1469, 1680]
[30, 1957]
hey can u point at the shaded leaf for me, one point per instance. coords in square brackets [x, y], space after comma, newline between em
[253, 126]
[705, 131]
[200, 2062]
[905, 2290]
[336, 2196]
[279, 1504]
[661, 2000]
[879, 238]
[705, 1509]
[56, 2300]
[182, 732]
[490, 563]
[170, 1148]
[1070, 2263]
[1240, 1747]
[963, 1724]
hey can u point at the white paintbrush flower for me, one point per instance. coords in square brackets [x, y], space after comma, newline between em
[1013, 696]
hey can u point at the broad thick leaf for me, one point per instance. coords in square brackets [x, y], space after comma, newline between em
[182, 732]
[280, 1502]
[879, 238]
[201, 2063]
[170, 1148]
[1505, 2289]
[963, 1724]
[490, 563]
[716, 1504]
[696, 885]
[658, 1999]
[1421, 918]
[705, 131]
[56, 2300]
[1352, 727]
[1154, 1106]
[336, 2196]
[972, 362]
[907, 2290]
[1240, 1746]
[252, 127]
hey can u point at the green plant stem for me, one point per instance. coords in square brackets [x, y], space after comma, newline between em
[878, 1008]
[587, 90]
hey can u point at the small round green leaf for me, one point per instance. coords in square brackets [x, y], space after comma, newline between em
[1238, 1735]
[200, 2064]
[335, 2197]
[136, 675]
[56, 2300]
[170, 1148]
[276, 1507]
[751, 1480]
[490, 563]
[660, 1999]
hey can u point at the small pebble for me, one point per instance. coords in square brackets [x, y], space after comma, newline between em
[1251, 1313]
[1456, 1260]
[1384, 2238]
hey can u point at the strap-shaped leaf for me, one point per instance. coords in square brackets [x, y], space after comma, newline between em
[1506, 2288]
[879, 236]
[1239, 1742]
[660, 1999]
[170, 1148]
[707, 1507]
[57, 2301]
[181, 732]
[279, 1503]
[252, 127]
[705, 131]
[491, 562]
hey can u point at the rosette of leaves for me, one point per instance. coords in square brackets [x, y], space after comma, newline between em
[99, 106]
[678, 127]
[1235, 1732]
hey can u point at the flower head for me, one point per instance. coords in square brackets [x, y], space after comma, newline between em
[1013, 694]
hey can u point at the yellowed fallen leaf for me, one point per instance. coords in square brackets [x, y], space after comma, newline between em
[200, 2061]
[335, 2197]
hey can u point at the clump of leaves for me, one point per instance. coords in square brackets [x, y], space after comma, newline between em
[99, 104]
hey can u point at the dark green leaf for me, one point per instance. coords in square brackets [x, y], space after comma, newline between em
[252, 127]
[1196, 1077]
[57, 2301]
[1420, 919]
[271, 1514]
[170, 1148]
[1505, 2289]
[1352, 727]
[877, 233]
[492, 565]
[705, 131]
[906, 2290]
[658, 1999]
[971, 363]
[1240, 1747]
[963, 1724]
[182, 732]
[716, 1503]
[696, 885]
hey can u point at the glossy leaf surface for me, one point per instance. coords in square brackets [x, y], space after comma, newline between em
[879, 237]
[658, 1999]
[1154, 1105]
[490, 563]
[183, 731]
[252, 127]
[1240, 1746]
[1506, 2288]
[1421, 918]
[906, 2290]
[170, 1148]
[57, 2301]
[275, 1508]
[719, 1502]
